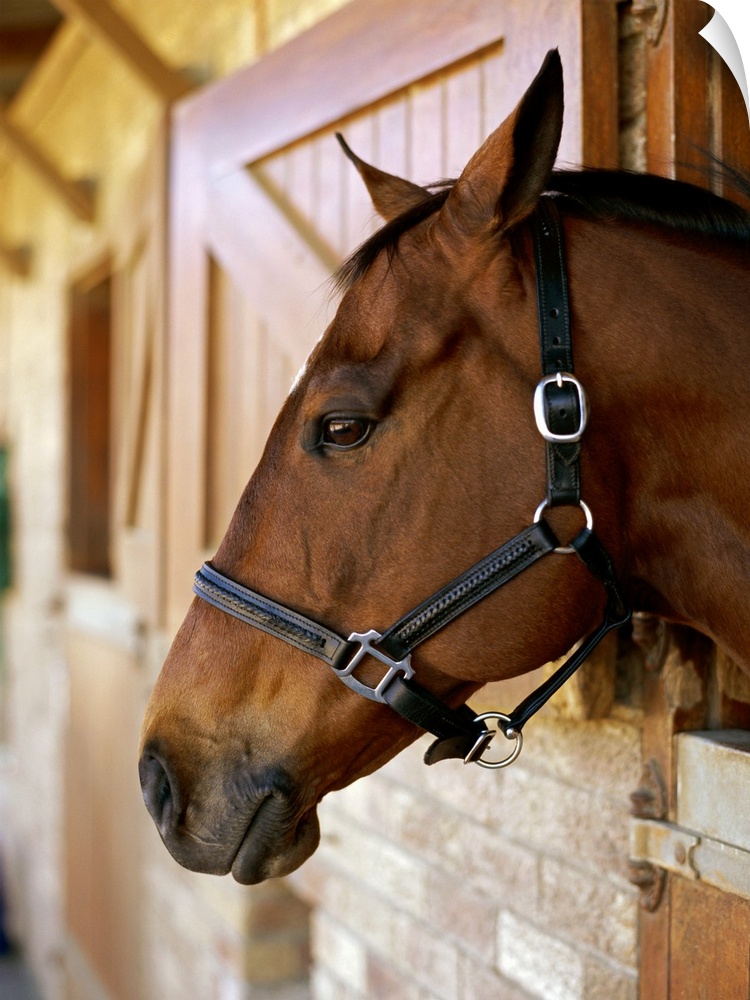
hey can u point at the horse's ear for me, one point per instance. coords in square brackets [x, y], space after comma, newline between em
[390, 195]
[502, 182]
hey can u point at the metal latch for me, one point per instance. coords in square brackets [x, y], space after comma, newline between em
[664, 845]
[655, 844]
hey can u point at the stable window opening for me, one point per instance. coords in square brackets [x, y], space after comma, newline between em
[89, 425]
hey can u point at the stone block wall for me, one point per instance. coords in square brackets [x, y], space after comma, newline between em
[455, 882]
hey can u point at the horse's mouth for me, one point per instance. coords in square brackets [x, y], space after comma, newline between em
[273, 845]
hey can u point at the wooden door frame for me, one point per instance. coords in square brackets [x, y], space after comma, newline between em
[355, 59]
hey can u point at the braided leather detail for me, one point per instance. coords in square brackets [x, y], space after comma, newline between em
[265, 614]
[466, 590]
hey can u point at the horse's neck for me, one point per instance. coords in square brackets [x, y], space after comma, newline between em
[679, 422]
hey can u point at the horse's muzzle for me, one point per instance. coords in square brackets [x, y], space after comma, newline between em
[238, 821]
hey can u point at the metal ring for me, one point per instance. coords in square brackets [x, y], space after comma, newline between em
[512, 734]
[566, 550]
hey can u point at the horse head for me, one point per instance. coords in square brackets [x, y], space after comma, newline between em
[406, 451]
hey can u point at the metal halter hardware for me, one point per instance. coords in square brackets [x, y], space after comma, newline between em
[561, 412]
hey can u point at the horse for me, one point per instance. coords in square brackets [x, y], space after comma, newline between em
[422, 434]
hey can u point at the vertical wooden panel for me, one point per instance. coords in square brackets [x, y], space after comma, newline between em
[103, 813]
[391, 120]
[669, 708]
[678, 109]
[357, 213]
[328, 216]
[599, 113]
[499, 91]
[733, 128]
[139, 318]
[426, 132]
[220, 450]
[248, 408]
[710, 953]
[463, 117]
[185, 515]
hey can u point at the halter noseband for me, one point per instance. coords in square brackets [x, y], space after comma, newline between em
[561, 413]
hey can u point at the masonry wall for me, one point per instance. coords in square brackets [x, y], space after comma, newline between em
[447, 882]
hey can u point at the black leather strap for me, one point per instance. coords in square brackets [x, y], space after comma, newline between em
[592, 554]
[556, 348]
[268, 616]
[474, 585]
[456, 729]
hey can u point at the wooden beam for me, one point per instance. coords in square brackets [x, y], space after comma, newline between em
[103, 21]
[16, 259]
[76, 197]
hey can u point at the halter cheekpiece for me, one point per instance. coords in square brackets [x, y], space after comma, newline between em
[561, 414]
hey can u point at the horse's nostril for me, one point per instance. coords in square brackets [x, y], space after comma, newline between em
[157, 789]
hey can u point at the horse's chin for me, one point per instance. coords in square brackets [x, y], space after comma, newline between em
[270, 851]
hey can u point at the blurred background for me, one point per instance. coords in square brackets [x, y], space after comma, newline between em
[172, 202]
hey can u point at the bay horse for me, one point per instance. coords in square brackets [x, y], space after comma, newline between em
[424, 433]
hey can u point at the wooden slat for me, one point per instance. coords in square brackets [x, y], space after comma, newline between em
[674, 700]
[600, 113]
[74, 195]
[679, 125]
[692, 122]
[186, 442]
[103, 21]
[139, 384]
[733, 139]
[709, 948]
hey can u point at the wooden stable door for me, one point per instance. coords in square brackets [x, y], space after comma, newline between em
[264, 204]
[695, 926]
[113, 595]
[695, 867]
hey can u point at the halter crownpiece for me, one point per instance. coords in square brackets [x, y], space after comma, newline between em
[561, 413]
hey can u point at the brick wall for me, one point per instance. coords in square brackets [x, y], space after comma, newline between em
[445, 882]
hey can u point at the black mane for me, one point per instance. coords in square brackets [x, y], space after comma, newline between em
[607, 195]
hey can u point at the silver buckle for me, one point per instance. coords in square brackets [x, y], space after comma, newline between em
[540, 409]
[395, 667]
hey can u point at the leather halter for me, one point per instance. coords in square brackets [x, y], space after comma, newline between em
[561, 413]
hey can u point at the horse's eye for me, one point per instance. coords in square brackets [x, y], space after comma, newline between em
[345, 432]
